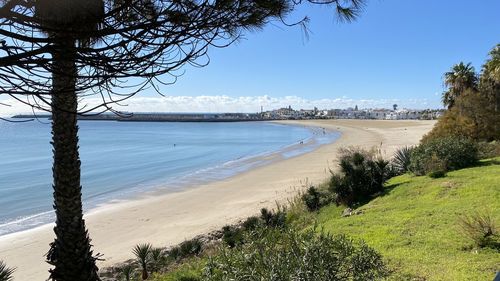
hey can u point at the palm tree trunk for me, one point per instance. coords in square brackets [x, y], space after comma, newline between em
[70, 253]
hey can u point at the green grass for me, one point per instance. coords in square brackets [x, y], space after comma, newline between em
[414, 225]
[188, 270]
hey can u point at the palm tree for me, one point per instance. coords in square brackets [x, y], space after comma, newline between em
[5, 272]
[490, 78]
[493, 64]
[142, 253]
[460, 78]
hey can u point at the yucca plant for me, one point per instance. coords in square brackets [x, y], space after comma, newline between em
[142, 253]
[402, 159]
[6, 272]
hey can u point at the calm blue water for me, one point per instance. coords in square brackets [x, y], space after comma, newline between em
[123, 159]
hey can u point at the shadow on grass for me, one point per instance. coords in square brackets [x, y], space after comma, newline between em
[488, 162]
[494, 243]
[387, 190]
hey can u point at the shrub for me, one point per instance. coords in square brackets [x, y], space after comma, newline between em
[6, 272]
[175, 253]
[190, 248]
[437, 174]
[292, 255]
[189, 278]
[362, 176]
[158, 259]
[488, 149]
[447, 153]
[314, 199]
[251, 223]
[273, 219]
[232, 236]
[472, 116]
[186, 249]
[480, 228]
[126, 272]
[436, 167]
[402, 159]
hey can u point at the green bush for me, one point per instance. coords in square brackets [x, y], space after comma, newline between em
[251, 223]
[186, 249]
[314, 199]
[232, 236]
[191, 247]
[488, 149]
[437, 174]
[282, 255]
[189, 278]
[362, 176]
[158, 259]
[446, 154]
[273, 219]
[126, 272]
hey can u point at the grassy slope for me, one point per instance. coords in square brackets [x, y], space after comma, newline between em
[415, 224]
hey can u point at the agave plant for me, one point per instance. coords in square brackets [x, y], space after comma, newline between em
[142, 253]
[402, 158]
[6, 272]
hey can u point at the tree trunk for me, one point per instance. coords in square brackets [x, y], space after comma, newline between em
[70, 253]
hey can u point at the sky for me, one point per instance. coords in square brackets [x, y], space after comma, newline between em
[396, 52]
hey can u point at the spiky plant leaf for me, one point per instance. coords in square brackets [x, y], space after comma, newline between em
[142, 253]
[402, 158]
[6, 272]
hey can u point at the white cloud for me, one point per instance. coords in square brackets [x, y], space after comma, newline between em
[224, 103]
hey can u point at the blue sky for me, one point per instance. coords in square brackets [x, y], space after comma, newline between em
[396, 52]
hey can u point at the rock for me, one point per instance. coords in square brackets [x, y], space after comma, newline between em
[347, 212]
[358, 212]
[350, 212]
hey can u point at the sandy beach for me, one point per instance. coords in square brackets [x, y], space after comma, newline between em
[168, 219]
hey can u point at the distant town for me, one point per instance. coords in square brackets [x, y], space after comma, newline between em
[285, 113]
[354, 113]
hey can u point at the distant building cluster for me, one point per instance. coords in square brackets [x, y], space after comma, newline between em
[277, 114]
[354, 113]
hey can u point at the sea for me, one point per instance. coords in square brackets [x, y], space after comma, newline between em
[123, 160]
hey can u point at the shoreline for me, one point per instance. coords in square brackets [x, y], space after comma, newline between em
[168, 219]
[221, 171]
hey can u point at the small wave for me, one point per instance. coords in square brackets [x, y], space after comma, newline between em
[26, 222]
